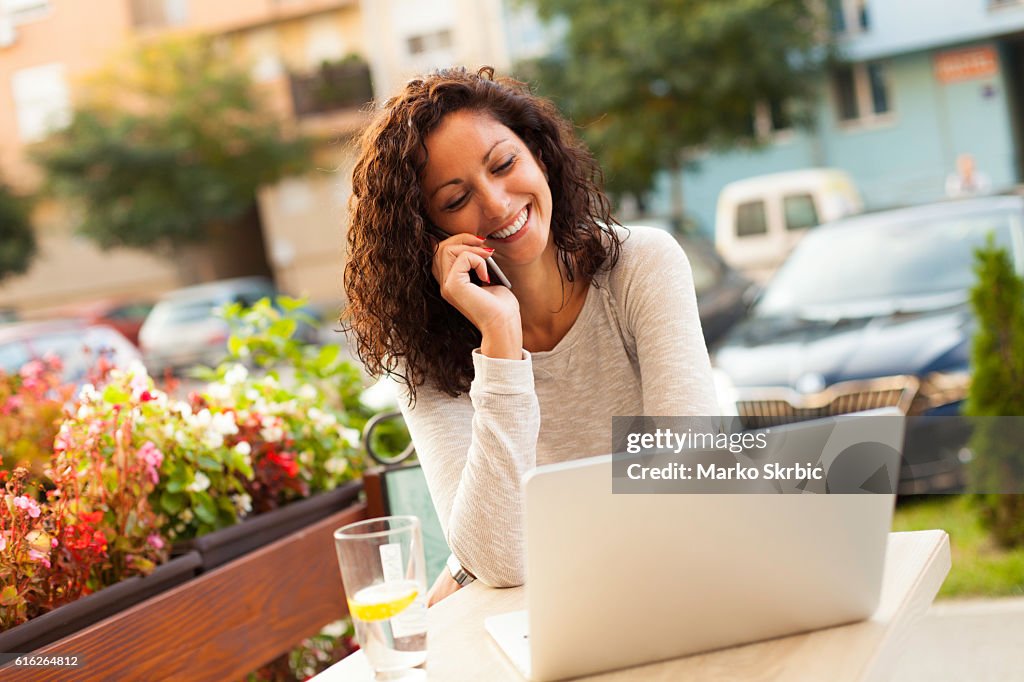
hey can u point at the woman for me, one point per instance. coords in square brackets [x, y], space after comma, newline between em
[599, 321]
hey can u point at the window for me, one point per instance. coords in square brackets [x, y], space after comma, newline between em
[158, 13]
[21, 11]
[750, 219]
[41, 99]
[428, 42]
[849, 16]
[861, 92]
[768, 118]
[799, 211]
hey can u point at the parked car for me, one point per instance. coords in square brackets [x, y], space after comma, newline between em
[76, 343]
[869, 312]
[759, 220]
[183, 329]
[723, 294]
[126, 316]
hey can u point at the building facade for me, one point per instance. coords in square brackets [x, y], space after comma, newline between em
[920, 86]
[48, 46]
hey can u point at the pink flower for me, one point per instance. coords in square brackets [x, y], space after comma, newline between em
[32, 369]
[13, 403]
[36, 555]
[3, 541]
[152, 458]
[155, 541]
[28, 505]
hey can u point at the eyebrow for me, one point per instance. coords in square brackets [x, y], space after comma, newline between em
[457, 181]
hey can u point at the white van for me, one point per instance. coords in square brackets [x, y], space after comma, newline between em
[759, 220]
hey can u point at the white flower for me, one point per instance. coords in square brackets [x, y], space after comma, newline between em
[84, 412]
[335, 629]
[203, 418]
[180, 436]
[168, 430]
[218, 390]
[351, 436]
[200, 483]
[213, 440]
[236, 375]
[322, 420]
[270, 382]
[186, 515]
[252, 394]
[307, 392]
[88, 394]
[336, 465]
[224, 423]
[306, 457]
[243, 503]
[183, 408]
[272, 431]
[243, 448]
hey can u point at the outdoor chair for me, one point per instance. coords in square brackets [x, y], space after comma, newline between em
[398, 487]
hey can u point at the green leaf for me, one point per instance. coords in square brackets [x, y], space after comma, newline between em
[206, 510]
[172, 503]
[115, 395]
[208, 463]
[235, 345]
[9, 596]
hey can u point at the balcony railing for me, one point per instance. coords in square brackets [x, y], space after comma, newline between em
[333, 87]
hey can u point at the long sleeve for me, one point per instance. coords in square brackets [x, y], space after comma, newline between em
[661, 312]
[474, 453]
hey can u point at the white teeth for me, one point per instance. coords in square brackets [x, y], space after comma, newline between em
[515, 227]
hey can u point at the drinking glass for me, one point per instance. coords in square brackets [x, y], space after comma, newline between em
[384, 574]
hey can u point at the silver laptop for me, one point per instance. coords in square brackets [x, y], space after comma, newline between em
[614, 581]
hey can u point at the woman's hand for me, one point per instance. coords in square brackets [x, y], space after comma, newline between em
[494, 310]
[444, 586]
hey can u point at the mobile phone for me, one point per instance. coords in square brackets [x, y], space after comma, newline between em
[492, 268]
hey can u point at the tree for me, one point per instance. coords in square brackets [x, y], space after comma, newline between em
[17, 239]
[648, 79]
[168, 146]
[997, 392]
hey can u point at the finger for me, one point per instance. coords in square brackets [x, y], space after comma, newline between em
[464, 238]
[455, 250]
[467, 261]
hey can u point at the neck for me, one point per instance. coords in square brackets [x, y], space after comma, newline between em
[548, 302]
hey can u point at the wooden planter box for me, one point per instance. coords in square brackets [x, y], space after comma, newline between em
[93, 608]
[221, 546]
[220, 625]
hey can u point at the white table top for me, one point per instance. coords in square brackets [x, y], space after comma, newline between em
[916, 565]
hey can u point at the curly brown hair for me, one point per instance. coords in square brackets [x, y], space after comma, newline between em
[402, 326]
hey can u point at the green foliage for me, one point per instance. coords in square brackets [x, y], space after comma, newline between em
[17, 239]
[168, 145]
[646, 79]
[997, 391]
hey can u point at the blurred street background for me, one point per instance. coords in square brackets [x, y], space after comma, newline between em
[830, 167]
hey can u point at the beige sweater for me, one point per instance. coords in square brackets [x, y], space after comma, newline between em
[635, 349]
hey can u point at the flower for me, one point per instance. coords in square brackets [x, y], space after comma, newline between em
[236, 375]
[243, 503]
[243, 448]
[224, 423]
[307, 392]
[152, 458]
[42, 558]
[200, 483]
[27, 505]
[155, 541]
[3, 541]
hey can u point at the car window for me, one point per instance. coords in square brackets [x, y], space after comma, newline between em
[181, 312]
[751, 219]
[12, 356]
[799, 211]
[877, 260]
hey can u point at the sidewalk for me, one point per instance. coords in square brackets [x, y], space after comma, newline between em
[981, 640]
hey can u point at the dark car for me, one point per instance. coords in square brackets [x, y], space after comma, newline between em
[873, 312]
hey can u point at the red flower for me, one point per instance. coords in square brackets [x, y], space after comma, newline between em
[146, 396]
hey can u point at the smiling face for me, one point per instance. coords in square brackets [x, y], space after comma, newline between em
[482, 179]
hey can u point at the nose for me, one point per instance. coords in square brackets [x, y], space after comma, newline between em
[494, 201]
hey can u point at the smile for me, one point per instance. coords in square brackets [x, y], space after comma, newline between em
[517, 225]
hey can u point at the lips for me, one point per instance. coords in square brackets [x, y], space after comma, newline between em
[513, 227]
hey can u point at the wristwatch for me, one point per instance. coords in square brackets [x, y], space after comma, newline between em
[460, 575]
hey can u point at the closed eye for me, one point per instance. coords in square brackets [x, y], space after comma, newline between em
[507, 165]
